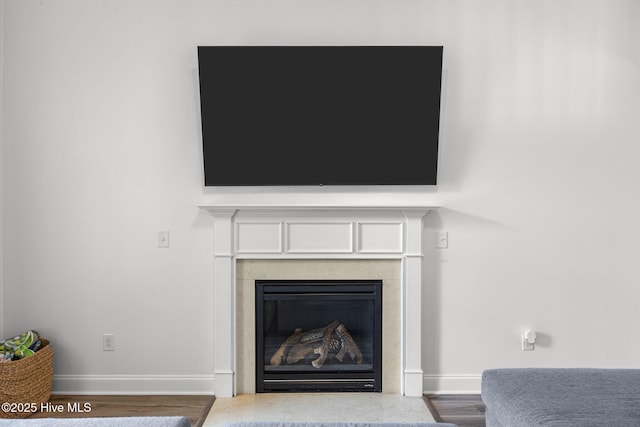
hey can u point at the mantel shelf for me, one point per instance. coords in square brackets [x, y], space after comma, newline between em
[317, 207]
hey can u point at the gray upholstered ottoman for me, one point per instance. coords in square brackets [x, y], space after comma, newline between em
[99, 422]
[561, 397]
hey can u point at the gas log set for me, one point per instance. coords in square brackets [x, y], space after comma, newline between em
[332, 341]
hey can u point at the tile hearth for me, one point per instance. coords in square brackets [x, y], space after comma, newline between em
[319, 407]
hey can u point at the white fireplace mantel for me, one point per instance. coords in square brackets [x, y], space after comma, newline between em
[291, 231]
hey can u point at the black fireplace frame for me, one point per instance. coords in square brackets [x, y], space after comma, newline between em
[336, 381]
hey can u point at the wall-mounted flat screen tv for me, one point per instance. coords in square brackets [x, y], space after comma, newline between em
[320, 115]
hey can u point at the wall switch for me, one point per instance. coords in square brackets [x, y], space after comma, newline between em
[442, 240]
[163, 238]
[108, 342]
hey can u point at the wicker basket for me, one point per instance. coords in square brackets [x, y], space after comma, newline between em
[27, 382]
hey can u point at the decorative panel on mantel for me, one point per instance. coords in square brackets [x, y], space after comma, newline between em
[259, 237]
[319, 237]
[380, 237]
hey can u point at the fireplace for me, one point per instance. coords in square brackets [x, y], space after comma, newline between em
[318, 335]
[276, 233]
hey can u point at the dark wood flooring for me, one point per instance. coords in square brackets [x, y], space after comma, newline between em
[195, 408]
[465, 410]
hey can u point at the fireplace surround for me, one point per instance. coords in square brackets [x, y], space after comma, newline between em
[317, 232]
[250, 271]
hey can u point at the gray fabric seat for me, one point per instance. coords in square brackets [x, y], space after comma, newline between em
[561, 397]
[99, 422]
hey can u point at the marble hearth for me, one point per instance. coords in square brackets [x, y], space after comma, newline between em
[317, 242]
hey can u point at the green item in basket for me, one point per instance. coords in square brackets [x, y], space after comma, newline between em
[21, 346]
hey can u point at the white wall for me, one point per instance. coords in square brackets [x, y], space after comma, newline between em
[1, 173]
[537, 177]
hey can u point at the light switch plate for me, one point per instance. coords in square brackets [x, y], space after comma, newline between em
[442, 240]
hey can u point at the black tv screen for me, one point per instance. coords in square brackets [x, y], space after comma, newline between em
[320, 115]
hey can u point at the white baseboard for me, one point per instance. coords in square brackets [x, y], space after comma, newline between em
[452, 384]
[204, 384]
[133, 384]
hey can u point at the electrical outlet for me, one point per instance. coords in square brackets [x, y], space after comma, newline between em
[108, 342]
[528, 341]
[527, 346]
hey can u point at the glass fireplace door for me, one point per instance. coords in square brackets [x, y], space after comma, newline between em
[318, 335]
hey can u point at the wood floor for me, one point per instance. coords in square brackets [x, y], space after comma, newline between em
[465, 410]
[195, 408]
